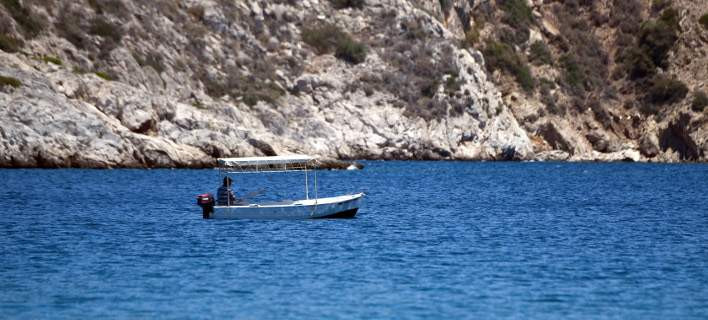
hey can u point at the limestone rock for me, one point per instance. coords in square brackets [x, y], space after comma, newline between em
[553, 155]
[649, 145]
[205, 79]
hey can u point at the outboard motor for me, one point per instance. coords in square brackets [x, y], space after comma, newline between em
[206, 201]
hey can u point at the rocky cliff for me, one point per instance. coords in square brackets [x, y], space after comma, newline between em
[115, 83]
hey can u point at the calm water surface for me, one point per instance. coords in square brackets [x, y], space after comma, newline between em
[433, 240]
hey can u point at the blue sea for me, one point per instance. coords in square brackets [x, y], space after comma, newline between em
[433, 240]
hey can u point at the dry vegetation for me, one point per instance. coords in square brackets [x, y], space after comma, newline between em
[6, 81]
[328, 38]
[423, 80]
[592, 74]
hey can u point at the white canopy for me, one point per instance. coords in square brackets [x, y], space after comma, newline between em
[263, 161]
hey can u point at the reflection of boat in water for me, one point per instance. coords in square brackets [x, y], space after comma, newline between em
[344, 206]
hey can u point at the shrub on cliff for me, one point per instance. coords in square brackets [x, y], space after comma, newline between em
[351, 51]
[703, 20]
[539, 53]
[658, 5]
[657, 37]
[472, 35]
[322, 38]
[545, 87]
[517, 14]
[648, 51]
[30, 23]
[267, 92]
[103, 28]
[108, 6]
[700, 101]
[502, 56]
[342, 4]
[329, 38]
[584, 62]
[512, 37]
[575, 75]
[246, 87]
[9, 82]
[103, 75]
[110, 32]
[636, 62]
[10, 44]
[626, 16]
[69, 25]
[151, 59]
[52, 59]
[665, 90]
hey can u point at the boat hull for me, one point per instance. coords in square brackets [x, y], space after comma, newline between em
[323, 208]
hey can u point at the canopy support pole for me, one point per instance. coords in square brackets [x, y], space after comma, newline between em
[307, 187]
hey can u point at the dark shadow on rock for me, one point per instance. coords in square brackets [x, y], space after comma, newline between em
[263, 147]
[550, 133]
[676, 137]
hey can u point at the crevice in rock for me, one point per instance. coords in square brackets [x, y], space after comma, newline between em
[550, 133]
[146, 127]
[509, 153]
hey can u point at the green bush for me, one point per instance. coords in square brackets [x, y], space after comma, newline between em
[657, 37]
[540, 54]
[445, 5]
[351, 51]
[249, 88]
[626, 15]
[502, 56]
[573, 74]
[670, 16]
[703, 20]
[107, 6]
[110, 33]
[103, 75]
[329, 38]
[413, 30]
[637, 63]
[152, 59]
[322, 38]
[471, 37]
[25, 18]
[341, 4]
[517, 14]
[452, 84]
[10, 44]
[584, 63]
[105, 29]
[253, 91]
[700, 101]
[665, 90]
[9, 82]
[545, 87]
[513, 37]
[68, 25]
[429, 88]
[658, 5]
[197, 12]
[50, 59]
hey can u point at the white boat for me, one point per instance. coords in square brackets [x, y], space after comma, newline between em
[343, 206]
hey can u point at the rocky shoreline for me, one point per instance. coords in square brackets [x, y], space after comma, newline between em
[336, 164]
